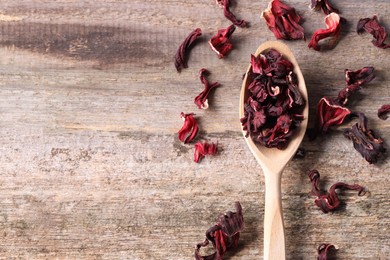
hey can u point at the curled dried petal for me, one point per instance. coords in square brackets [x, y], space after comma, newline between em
[225, 4]
[181, 54]
[203, 149]
[323, 250]
[283, 21]
[329, 114]
[221, 43]
[329, 201]
[324, 5]
[365, 140]
[372, 26]
[201, 101]
[332, 30]
[383, 111]
[189, 129]
[354, 80]
[223, 235]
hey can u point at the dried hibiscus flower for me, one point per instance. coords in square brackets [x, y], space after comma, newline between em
[331, 112]
[283, 21]
[203, 149]
[372, 26]
[354, 80]
[324, 6]
[225, 4]
[220, 43]
[332, 31]
[223, 235]
[364, 140]
[190, 128]
[383, 111]
[181, 54]
[323, 250]
[329, 202]
[202, 99]
[274, 107]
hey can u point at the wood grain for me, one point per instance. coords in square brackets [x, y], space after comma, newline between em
[90, 163]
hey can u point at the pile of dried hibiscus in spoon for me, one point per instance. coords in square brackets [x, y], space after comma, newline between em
[274, 107]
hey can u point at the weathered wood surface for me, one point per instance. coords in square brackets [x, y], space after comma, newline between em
[90, 163]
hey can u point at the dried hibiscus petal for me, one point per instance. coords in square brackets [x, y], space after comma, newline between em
[223, 235]
[221, 43]
[383, 111]
[324, 5]
[190, 128]
[274, 107]
[329, 114]
[181, 54]
[202, 99]
[283, 21]
[203, 149]
[225, 4]
[329, 202]
[332, 31]
[372, 26]
[354, 80]
[364, 140]
[323, 250]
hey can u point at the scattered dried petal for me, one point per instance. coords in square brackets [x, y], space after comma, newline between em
[372, 26]
[220, 43]
[329, 201]
[332, 30]
[329, 114]
[223, 235]
[364, 140]
[203, 149]
[354, 80]
[225, 4]
[202, 99]
[323, 251]
[332, 112]
[383, 111]
[190, 128]
[274, 108]
[324, 5]
[181, 54]
[283, 21]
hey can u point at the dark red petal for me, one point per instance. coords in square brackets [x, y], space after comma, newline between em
[332, 30]
[383, 111]
[323, 251]
[364, 140]
[324, 5]
[189, 129]
[201, 101]
[372, 26]
[283, 21]
[223, 235]
[220, 43]
[181, 54]
[329, 114]
[229, 15]
[354, 80]
[329, 201]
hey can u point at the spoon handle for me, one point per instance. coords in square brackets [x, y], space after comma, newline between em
[274, 241]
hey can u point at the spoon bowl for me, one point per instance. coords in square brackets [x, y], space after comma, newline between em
[273, 160]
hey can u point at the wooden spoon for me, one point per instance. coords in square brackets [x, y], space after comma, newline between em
[273, 161]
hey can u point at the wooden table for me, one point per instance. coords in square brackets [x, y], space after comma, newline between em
[90, 162]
